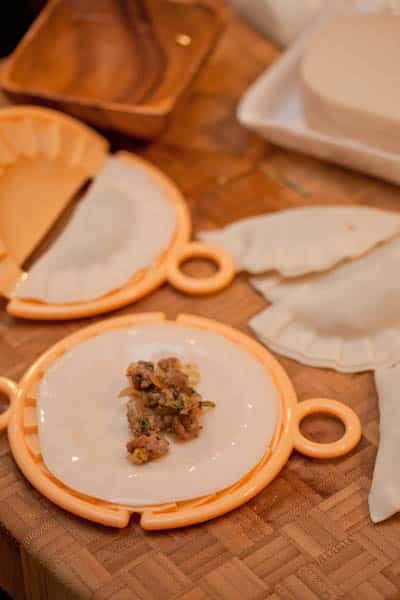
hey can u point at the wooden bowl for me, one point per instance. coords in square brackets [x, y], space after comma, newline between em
[120, 65]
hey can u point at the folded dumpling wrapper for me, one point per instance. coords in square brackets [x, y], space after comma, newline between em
[384, 497]
[347, 319]
[122, 224]
[303, 240]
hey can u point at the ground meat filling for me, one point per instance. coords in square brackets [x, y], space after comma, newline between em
[163, 400]
[148, 443]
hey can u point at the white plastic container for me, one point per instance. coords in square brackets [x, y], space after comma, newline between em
[273, 107]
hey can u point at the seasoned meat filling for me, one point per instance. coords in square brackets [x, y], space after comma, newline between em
[148, 443]
[163, 400]
[140, 374]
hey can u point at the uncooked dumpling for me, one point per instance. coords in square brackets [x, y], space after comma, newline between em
[121, 225]
[384, 497]
[304, 240]
[347, 318]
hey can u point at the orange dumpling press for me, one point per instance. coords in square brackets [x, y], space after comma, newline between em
[45, 159]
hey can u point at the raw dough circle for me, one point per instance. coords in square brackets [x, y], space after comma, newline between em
[83, 427]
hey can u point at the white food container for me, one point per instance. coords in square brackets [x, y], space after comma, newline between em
[273, 107]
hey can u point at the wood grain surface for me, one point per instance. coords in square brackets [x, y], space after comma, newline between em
[308, 535]
[114, 60]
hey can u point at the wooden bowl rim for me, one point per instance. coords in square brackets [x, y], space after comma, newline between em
[158, 109]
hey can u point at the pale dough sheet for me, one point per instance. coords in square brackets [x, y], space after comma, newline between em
[347, 318]
[83, 427]
[121, 225]
[304, 240]
[384, 498]
[350, 80]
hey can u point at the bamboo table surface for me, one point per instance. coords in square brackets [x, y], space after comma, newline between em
[308, 535]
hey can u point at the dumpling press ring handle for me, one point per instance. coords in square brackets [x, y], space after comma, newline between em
[9, 388]
[346, 415]
[203, 285]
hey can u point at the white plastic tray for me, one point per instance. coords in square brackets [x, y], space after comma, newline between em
[272, 106]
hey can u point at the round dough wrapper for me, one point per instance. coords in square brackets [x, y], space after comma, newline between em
[83, 427]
